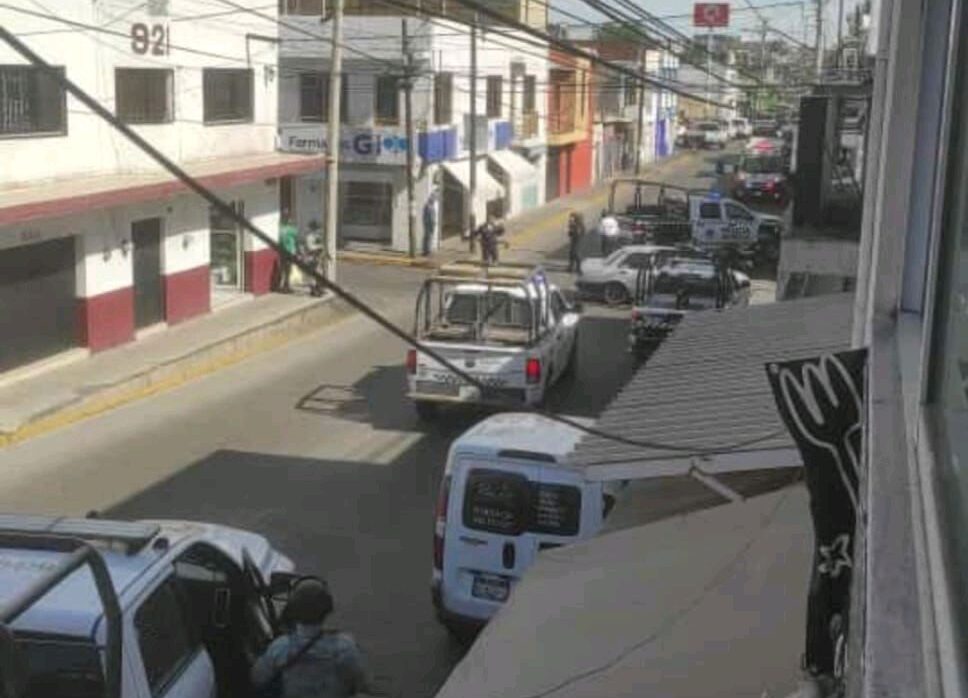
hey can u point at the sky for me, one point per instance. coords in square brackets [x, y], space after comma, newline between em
[791, 19]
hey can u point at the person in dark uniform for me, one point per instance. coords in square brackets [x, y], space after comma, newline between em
[576, 231]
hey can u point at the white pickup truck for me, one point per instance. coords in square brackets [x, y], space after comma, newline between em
[506, 326]
[720, 223]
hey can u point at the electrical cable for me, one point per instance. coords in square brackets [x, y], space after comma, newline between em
[229, 211]
[559, 44]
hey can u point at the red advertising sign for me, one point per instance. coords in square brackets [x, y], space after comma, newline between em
[710, 14]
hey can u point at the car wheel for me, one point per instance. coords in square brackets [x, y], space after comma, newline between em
[616, 294]
[427, 411]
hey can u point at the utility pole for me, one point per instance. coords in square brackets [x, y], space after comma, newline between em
[840, 33]
[333, 140]
[759, 94]
[709, 65]
[472, 217]
[641, 127]
[411, 136]
[819, 40]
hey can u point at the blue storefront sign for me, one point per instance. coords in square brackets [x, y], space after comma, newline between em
[376, 146]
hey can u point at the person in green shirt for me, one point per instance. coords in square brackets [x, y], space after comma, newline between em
[288, 240]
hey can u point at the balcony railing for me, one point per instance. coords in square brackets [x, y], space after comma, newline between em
[526, 125]
[561, 122]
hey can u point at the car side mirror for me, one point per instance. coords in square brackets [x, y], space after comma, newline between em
[280, 584]
[13, 666]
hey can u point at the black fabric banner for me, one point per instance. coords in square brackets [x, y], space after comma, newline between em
[821, 401]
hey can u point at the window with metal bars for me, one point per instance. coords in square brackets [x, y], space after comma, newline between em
[314, 97]
[388, 100]
[443, 98]
[495, 84]
[30, 102]
[227, 95]
[143, 95]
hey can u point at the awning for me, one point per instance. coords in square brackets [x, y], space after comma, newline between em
[705, 605]
[516, 167]
[71, 195]
[706, 389]
[488, 188]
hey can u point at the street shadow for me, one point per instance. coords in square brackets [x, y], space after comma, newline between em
[374, 399]
[366, 529]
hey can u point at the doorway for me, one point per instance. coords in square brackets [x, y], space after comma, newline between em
[149, 304]
[226, 255]
[451, 207]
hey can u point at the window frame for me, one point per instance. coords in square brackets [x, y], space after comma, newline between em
[169, 75]
[194, 645]
[378, 87]
[323, 78]
[494, 106]
[62, 106]
[346, 197]
[443, 82]
[217, 121]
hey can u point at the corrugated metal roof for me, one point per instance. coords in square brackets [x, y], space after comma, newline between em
[706, 386]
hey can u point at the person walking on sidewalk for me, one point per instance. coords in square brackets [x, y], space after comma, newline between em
[487, 235]
[608, 231]
[429, 223]
[289, 241]
[576, 231]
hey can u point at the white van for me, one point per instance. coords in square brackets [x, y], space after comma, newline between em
[506, 494]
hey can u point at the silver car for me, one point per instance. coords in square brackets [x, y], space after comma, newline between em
[612, 278]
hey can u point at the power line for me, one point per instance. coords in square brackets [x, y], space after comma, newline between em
[225, 209]
[559, 44]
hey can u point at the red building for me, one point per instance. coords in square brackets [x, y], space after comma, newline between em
[570, 108]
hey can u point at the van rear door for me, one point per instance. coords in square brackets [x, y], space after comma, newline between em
[501, 513]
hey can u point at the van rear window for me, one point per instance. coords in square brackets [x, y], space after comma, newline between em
[509, 504]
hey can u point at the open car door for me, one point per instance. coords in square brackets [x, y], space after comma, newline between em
[261, 619]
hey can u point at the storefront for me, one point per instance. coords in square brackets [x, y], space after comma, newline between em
[519, 179]
[121, 254]
[455, 196]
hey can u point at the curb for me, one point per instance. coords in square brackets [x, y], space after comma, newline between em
[183, 369]
[389, 259]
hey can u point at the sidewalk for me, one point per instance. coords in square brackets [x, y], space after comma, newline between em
[47, 400]
[551, 216]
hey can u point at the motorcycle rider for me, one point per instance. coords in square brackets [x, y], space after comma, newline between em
[310, 661]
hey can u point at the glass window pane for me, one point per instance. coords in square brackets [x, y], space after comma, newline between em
[163, 636]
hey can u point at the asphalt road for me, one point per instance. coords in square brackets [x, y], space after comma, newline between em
[314, 446]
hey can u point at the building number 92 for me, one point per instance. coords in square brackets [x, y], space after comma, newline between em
[154, 39]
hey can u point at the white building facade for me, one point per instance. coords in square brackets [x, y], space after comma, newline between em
[97, 241]
[374, 207]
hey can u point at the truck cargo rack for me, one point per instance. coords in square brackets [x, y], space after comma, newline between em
[77, 554]
[130, 536]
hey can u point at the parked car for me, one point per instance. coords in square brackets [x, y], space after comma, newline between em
[727, 227]
[506, 325]
[506, 494]
[673, 287]
[713, 134]
[613, 278]
[762, 178]
[185, 608]
[766, 128]
[741, 128]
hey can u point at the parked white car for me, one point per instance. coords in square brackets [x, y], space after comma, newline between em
[171, 608]
[507, 493]
[613, 278]
[741, 127]
[713, 133]
[506, 326]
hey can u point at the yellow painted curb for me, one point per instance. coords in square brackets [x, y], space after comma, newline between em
[180, 376]
[385, 260]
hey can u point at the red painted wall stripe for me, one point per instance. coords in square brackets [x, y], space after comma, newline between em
[187, 294]
[260, 271]
[106, 320]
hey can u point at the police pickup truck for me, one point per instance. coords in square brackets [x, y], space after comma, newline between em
[92, 607]
[724, 226]
[504, 325]
[674, 286]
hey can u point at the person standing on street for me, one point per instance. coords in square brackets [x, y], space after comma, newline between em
[311, 661]
[487, 235]
[608, 231]
[576, 231]
[429, 223]
[289, 241]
